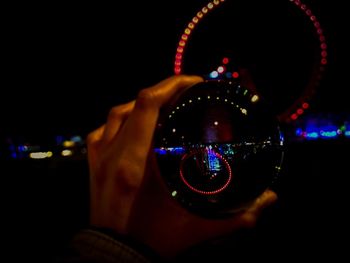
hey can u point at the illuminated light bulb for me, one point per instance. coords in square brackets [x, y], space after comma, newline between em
[235, 75]
[184, 37]
[187, 31]
[300, 111]
[214, 74]
[49, 154]
[225, 61]
[199, 14]
[191, 25]
[180, 49]
[204, 10]
[178, 62]
[216, 2]
[210, 5]
[195, 20]
[182, 43]
[255, 98]
[294, 116]
[178, 56]
[219, 160]
[221, 69]
[177, 70]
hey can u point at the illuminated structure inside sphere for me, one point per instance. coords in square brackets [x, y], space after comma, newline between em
[218, 147]
[301, 103]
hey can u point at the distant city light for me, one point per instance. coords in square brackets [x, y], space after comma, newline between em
[255, 98]
[40, 155]
[68, 144]
[67, 153]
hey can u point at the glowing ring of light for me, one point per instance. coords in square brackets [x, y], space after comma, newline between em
[227, 165]
[301, 104]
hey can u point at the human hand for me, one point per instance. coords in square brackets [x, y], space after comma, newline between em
[127, 192]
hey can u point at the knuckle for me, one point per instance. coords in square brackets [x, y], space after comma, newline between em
[146, 98]
[91, 138]
[115, 113]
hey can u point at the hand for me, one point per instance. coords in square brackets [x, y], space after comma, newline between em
[127, 193]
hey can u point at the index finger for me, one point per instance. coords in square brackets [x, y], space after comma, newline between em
[137, 132]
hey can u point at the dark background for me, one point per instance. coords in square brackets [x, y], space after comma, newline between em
[65, 65]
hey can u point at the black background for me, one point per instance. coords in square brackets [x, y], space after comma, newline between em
[66, 64]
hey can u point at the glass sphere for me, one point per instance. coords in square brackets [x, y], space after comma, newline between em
[218, 147]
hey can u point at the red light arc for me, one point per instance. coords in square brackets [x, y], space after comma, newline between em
[301, 104]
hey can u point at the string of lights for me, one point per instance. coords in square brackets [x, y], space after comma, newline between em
[303, 102]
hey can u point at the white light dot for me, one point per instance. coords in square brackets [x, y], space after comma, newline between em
[255, 98]
[216, 123]
[174, 193]
[221, 69]
[174, 130]
[199, 98]
[214, 74]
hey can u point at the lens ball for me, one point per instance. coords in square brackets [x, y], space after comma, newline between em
[218, 147]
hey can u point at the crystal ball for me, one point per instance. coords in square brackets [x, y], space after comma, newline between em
[218, 147]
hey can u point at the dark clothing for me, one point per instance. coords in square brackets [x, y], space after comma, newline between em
[103, 246]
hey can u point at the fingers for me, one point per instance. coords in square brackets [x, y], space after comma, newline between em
[139, 128]
[93, 144]
[116, 118]
[266, 199]
[245, 219]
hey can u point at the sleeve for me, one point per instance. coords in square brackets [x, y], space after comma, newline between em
[103, 246]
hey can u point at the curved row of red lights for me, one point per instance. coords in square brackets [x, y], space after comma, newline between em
[299, 107]
[219, 156]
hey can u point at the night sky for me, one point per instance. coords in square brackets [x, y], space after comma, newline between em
[65, 65]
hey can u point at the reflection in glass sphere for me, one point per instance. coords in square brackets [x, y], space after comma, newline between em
[218, 147]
